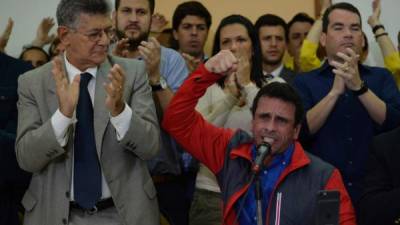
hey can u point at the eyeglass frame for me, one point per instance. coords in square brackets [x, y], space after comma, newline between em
[95, 36]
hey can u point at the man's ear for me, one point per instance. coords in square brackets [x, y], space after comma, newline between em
[322, 39]
[175, 34]
[63, 35]
[296, 133]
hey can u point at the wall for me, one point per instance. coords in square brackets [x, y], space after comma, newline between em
[28, 13]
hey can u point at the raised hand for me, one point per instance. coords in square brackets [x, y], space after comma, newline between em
[373, 19]
[150, 51]
[348, 68]
[325, 4]
[42, 32]
[120, 48]
[191, 62]
[223, 63]
[67, 93]
[158, 22]
[5, 36]
[115, 90]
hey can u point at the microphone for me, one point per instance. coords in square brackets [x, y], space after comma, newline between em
[263, 150]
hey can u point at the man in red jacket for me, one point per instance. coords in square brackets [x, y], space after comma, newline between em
[290, 178]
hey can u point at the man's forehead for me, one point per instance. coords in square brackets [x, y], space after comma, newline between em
[136, 4]
[300, 27]
[271, 104]
[344, 16]
[193, 19]
[272, 29]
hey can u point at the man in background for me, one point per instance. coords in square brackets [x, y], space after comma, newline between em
[272, 33]
[190, 23]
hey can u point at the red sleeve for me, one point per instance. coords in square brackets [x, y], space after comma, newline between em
[204, 141]
[346, 212]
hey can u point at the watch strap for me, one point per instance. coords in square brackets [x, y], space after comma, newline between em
[362, 90]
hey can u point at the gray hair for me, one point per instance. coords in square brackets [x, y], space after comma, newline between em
[68, 11]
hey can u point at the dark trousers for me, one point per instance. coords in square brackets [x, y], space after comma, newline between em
[174, 194]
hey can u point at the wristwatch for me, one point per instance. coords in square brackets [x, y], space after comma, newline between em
[160, 85]
[362, 90]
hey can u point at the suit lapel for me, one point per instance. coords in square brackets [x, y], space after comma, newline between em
[101, 113]
[283, 74]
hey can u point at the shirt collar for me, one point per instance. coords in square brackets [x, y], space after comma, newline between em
[283, 157]
[276, 72]
[72, 71]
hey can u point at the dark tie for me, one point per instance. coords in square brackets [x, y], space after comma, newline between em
[268, 77]
[87, 172]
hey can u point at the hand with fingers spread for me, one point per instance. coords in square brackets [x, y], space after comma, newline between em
[42, 33]
[191, 62]
[158, 22]
[6, 35]
[348, 69]
[121, 48]
[224, 63]
[150, 51]
[115, 90]
[67, 93]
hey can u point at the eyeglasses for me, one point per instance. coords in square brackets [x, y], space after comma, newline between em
[96, 35]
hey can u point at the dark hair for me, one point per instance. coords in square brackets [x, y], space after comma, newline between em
[151, 5]
[341, 5]
[192, 8]
[284, 92]
[271, 20]
[68, 11]
[53, 47]
[256, 69]
[171, 42]
[302, 18]
[25, 50]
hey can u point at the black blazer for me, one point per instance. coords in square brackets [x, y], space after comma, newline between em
[288, 75]
[13, 181]
[380, 202]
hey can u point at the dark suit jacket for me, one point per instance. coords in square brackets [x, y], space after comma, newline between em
[380, 202]
[13, 181]
[288, 75]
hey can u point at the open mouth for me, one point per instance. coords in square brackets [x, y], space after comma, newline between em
[269, 140]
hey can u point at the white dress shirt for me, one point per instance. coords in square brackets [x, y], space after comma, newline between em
[61, 123]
